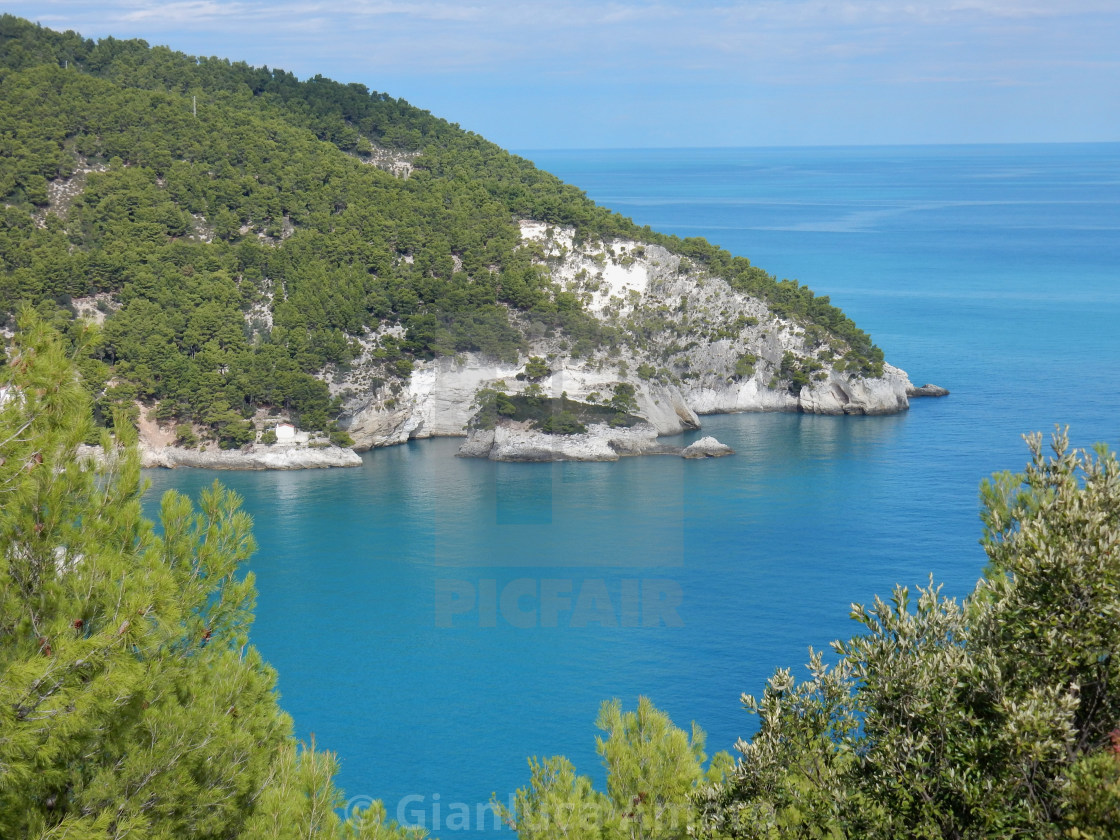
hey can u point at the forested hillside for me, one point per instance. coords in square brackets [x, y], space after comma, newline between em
[233, 230]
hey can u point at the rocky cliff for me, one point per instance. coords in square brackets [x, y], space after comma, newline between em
[689, 343]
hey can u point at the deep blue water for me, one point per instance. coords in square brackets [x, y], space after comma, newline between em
[991, 270]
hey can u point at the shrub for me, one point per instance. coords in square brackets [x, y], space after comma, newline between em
[562, 423]
[185, 436]
[536, 368]
[744, 366]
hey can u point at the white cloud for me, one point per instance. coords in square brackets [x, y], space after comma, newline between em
[192, 12]
[889, 52]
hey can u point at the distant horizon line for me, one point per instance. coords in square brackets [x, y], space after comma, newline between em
[932, 145]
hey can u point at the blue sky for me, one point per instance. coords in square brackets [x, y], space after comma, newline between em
[583, 74]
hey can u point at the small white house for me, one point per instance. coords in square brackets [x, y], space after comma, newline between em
[285, 433]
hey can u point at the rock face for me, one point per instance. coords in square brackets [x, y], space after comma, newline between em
[518, 442]
[255, 457]
[927, 390]
[510, 441]
[437, 402]
[837, 394]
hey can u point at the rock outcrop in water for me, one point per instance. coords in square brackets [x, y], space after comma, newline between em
[511, 441]
[927, 390]
[707, 447]
[255, 457]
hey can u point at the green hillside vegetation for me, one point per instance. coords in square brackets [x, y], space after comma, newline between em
[237, 230]
[553, 415]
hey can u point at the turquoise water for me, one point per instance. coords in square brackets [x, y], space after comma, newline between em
[438, 620]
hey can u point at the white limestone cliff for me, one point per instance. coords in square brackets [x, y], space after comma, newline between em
[685, 331]
[253, 457]
[689, 344]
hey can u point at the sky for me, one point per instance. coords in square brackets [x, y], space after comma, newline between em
[633, 74]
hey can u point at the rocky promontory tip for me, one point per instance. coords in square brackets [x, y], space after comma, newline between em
[927, 390]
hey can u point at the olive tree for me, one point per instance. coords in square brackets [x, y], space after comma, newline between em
[991, 717]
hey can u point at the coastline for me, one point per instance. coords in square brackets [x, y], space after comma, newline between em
[253, 457]
[518, 442]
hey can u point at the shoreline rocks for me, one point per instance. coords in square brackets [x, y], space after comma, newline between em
[517, 442]
[254, 457]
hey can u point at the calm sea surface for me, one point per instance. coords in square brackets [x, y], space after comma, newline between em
[436, 621]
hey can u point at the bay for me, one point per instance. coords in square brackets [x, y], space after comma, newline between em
[436, 621]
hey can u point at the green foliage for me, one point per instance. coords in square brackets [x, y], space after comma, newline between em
[991, 718]
[1093, 795]
[623, 400]
[265, 204]
[562, 416]
[340, 438]
[185, 436]
[534, 394]
[653, 769]
[557, 803]
[744, 365]
[797, 371]
[133, 703]
[562, 423]
[1053, 545]
[536, 368]
[492, 403]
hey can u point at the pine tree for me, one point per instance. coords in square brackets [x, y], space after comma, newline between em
[131, 703]
[654, 769]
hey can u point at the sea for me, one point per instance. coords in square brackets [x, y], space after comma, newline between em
[438, 621]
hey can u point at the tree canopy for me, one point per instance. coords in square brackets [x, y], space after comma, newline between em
[241, 229]
[131, 703]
